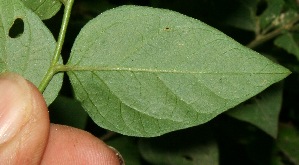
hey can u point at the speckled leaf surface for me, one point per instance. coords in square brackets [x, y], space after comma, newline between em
[28, 53]
[45, 9]
[143, 71]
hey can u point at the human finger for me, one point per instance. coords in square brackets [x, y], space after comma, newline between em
[24, 121]
[68, 145]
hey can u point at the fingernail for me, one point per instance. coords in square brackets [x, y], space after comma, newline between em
[120, 158]
[15, 103]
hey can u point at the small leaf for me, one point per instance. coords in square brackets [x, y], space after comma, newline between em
[188, 147]
[69, 112]
[276, 159]
[288, 142]
[262, 110]
[45, 9]
[292, 4]
[286, 18]
[272, 12]
[289, 42]
[145, 72]
[244, 17]
[30, 52]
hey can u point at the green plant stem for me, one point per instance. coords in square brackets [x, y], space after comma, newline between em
[262, 38]
[108, 135]
[51, 71]
[64, 2]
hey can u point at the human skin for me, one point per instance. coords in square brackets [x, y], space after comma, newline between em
[28, 138]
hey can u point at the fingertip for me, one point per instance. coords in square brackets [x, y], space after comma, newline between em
[26, 122]
[15, 106]
[118, 155]
[69, 145]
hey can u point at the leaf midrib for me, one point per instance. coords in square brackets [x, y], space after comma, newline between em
[148, 70]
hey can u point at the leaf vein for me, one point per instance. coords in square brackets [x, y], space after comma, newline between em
[150, 70]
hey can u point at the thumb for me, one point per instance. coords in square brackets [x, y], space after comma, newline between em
[24, 121]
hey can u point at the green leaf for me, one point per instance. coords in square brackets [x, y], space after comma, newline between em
[45, 9]
[292, 4]
[272, 12]
[289, 42]
[69, 112]
[145, 72]
[261, 110]
[244, 17]
[286, 18]
[188, 147]
[128, 148]
[277, 160]
[30, 51]
[288, 142]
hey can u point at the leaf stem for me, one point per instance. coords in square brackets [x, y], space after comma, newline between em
[262, 38]
[64, 2]
[51, 71]
[108, 135]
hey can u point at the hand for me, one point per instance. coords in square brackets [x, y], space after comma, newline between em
[27, 138]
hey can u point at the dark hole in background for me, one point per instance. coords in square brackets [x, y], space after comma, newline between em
[17, 29]
[262, 6]
[187, 157]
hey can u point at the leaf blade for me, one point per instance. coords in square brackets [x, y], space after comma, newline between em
[289, 42]
[244, 17]
[262, 110]
[45, 9]
[288, 142]
[271, 13]
[160, 71]
[198, 147]
[30, 53]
